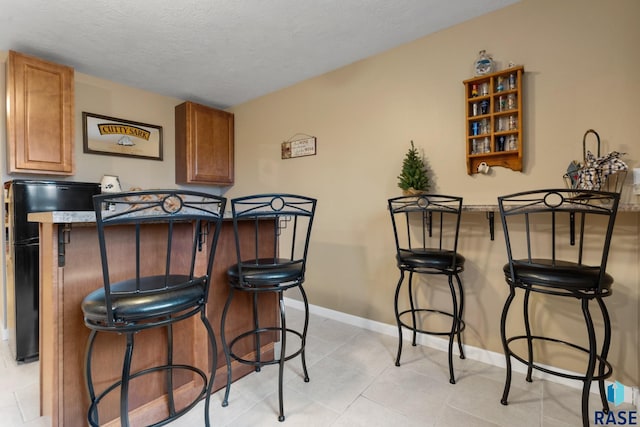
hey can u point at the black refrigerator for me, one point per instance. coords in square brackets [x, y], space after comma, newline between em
[26, 196]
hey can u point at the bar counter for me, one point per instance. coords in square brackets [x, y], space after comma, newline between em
[69, 270]
[490, 211]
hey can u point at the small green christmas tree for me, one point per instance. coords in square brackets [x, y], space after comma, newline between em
[414, 173]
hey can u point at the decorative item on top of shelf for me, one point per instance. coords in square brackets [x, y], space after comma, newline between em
[483, 64]
[606, 173]
[413, 179]
[305, 145]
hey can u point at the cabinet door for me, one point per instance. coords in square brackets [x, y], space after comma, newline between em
[40, 111]
[204, 145]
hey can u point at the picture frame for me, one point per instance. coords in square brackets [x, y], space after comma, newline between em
[112, 136]
[299, 148]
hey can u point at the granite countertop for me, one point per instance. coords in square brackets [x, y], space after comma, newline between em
[622, 207]
[63, 217]
[71, 217]
[479, 208]
[629, 207]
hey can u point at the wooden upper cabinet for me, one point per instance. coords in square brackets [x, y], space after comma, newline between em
[40, 122]
[204, 145]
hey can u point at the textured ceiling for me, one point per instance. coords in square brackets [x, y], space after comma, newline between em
[220, 52]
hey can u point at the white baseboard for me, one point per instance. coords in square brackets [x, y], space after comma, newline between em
[5, 334]
[474, 353]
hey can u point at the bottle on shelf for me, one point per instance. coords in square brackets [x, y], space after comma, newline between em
[501, 142]
[502, 103]
[484, 126]
[484, 89]
[484, 107]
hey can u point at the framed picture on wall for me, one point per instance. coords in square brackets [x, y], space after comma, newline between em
[119, 137]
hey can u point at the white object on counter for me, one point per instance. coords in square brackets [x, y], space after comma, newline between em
[110, 184]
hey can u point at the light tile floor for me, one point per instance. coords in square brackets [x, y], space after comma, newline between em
[353, 382]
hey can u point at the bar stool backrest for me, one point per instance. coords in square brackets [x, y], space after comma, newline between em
[151, 222]
[289, 217]
[426, 224]
[559, 229]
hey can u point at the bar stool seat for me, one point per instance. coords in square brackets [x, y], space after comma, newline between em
[130, 308]
[430, 258]
[559, 274]
[267, 273]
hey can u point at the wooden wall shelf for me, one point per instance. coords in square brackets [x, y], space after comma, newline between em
[494, 116]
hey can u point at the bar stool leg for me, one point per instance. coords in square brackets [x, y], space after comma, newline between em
[605, 352]
[505, 345]
[413, 309]
[591, 365]
[283, 350]
[214, 364]
[256, 327]
[124, 387]
[454, 326]
[304, 333]
[172, 403]
[527, 328]
[459, 319]
[395, 306]
[89, 380]
[225, 347]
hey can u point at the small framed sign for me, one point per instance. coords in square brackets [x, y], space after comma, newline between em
[299, 148]
[117, 137]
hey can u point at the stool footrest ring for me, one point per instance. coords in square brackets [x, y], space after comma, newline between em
[424, 331]
[261, 331]
[596, 377]
[93, 406]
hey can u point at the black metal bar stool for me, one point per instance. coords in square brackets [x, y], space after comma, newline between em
[426, 234]
[557, 245]
[152, 280]
[270, 263]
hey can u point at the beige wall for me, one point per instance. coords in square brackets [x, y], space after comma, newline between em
[581, 61]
